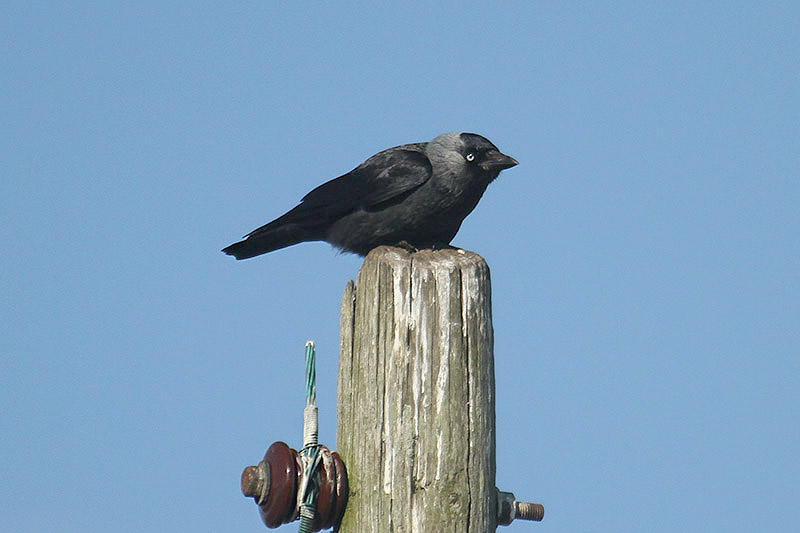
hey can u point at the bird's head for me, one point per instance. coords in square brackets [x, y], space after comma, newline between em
[472, 153]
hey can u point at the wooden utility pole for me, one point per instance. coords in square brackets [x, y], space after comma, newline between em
[416, 401]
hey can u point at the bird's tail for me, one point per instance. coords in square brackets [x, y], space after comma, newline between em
[267, 240]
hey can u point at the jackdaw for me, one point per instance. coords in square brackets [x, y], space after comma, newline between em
[414, 196]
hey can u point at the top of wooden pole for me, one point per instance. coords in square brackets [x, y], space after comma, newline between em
[448, 257]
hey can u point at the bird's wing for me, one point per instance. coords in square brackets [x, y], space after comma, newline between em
[393, 176]
[383, 178]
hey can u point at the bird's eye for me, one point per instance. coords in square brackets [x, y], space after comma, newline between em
[470, 157]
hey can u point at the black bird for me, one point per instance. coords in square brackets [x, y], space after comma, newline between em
[415, 196]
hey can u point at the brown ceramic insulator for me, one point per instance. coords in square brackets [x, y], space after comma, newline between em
[274, 483]
[283, 487]
[342, 488]
[326, 501]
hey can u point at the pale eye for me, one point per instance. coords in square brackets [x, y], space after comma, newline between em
[470, 157]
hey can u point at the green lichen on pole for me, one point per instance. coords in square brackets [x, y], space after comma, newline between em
[416, 402]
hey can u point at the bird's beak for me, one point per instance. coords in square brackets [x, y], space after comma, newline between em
[497, 161]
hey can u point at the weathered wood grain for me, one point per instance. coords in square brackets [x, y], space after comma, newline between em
[416, 400]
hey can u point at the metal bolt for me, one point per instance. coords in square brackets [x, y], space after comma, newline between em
[529, 511]
[256, 481]
[508, 509]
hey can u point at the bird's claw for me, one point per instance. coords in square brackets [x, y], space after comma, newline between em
[408, 247]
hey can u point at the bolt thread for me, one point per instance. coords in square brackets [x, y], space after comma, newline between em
[529, 511]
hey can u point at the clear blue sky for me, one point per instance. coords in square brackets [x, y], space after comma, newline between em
[645, 253]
